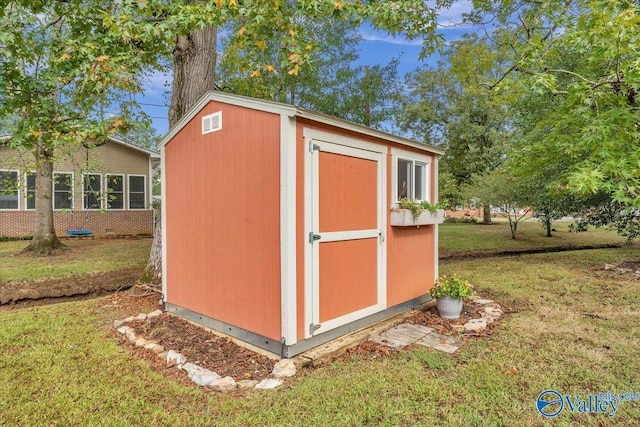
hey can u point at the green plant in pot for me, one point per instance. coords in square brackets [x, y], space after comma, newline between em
[449, 293]
[417, 207]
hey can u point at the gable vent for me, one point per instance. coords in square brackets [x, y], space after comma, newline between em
[212, 122]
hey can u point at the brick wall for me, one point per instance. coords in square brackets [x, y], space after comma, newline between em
[103, 224]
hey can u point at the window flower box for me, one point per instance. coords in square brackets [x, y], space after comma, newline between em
[404, 217]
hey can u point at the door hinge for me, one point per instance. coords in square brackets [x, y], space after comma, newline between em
[313, 147]
[314, 237]
[314, 327]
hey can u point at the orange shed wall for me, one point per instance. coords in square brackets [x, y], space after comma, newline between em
[410, 250]
[410, 254]
[222, 207]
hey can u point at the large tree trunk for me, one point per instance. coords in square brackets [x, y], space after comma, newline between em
[486, 214]
[194, 64]
[44, 241]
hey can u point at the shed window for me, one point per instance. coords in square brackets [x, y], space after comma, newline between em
[115, 192]
[212, 122]
[30, 190]
[9, 192]
[63, 191]
[137, 192]
[411, 179]
[92, 191]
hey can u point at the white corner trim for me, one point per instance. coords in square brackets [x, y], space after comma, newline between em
[163, 222]
[288, 221]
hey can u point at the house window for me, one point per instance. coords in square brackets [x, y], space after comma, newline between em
[63, 191]
[30, 190]
[212, 122]
[9, 192]
[115, 191]
[411, 179]
[92, 191]
[137, 192]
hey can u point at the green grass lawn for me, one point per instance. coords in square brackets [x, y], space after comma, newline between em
[574, 329]
[462, 238]
[81, 257]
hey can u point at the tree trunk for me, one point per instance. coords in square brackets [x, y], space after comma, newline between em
[44, 241]
[547, 226]
[194, 65]
[486, 214]
[513, 225]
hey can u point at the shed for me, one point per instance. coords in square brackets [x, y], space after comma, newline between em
[277, 225]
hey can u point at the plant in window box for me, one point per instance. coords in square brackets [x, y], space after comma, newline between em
[415, 212]
[449, 293]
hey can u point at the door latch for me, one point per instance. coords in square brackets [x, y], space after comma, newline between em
[313, 237]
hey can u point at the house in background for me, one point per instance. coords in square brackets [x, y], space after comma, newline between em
[279, 223]
[106, 189]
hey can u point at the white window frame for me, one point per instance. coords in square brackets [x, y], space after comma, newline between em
[414, 158]
[107, 193]
[17, 189]
[53, 191]
[144, 179]
[100, 193]
[212, 122]
[26, 191]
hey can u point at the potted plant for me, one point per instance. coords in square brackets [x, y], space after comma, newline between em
[449, 292]
[415, 212]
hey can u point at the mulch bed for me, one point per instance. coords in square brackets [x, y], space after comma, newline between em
[226, 358]
[205, 349]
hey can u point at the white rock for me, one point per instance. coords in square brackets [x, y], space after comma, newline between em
[123, 329]
[246, 384]
[118, 323]
[284, 368]
[131, 336]
[492, 314]
[150, 344]
[223, 384]
[475, 325]
[140, 316]
[190, 368]
[268, 384]
[174, 356]
[157, 349]
[199, 375]
[483, 301]
[140, 342]
[163, 355]
[128, 319]
[154, 314]
[206, 377]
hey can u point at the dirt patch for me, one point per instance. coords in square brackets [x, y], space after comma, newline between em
[446, 256]
[41, 292]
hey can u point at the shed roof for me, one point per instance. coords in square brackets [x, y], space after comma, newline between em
[291, 111]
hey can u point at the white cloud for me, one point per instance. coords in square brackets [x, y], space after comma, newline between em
[379, 36]
[452, 16]
[449, 20]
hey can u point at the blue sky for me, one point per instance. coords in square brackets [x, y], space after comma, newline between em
[377, 47]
